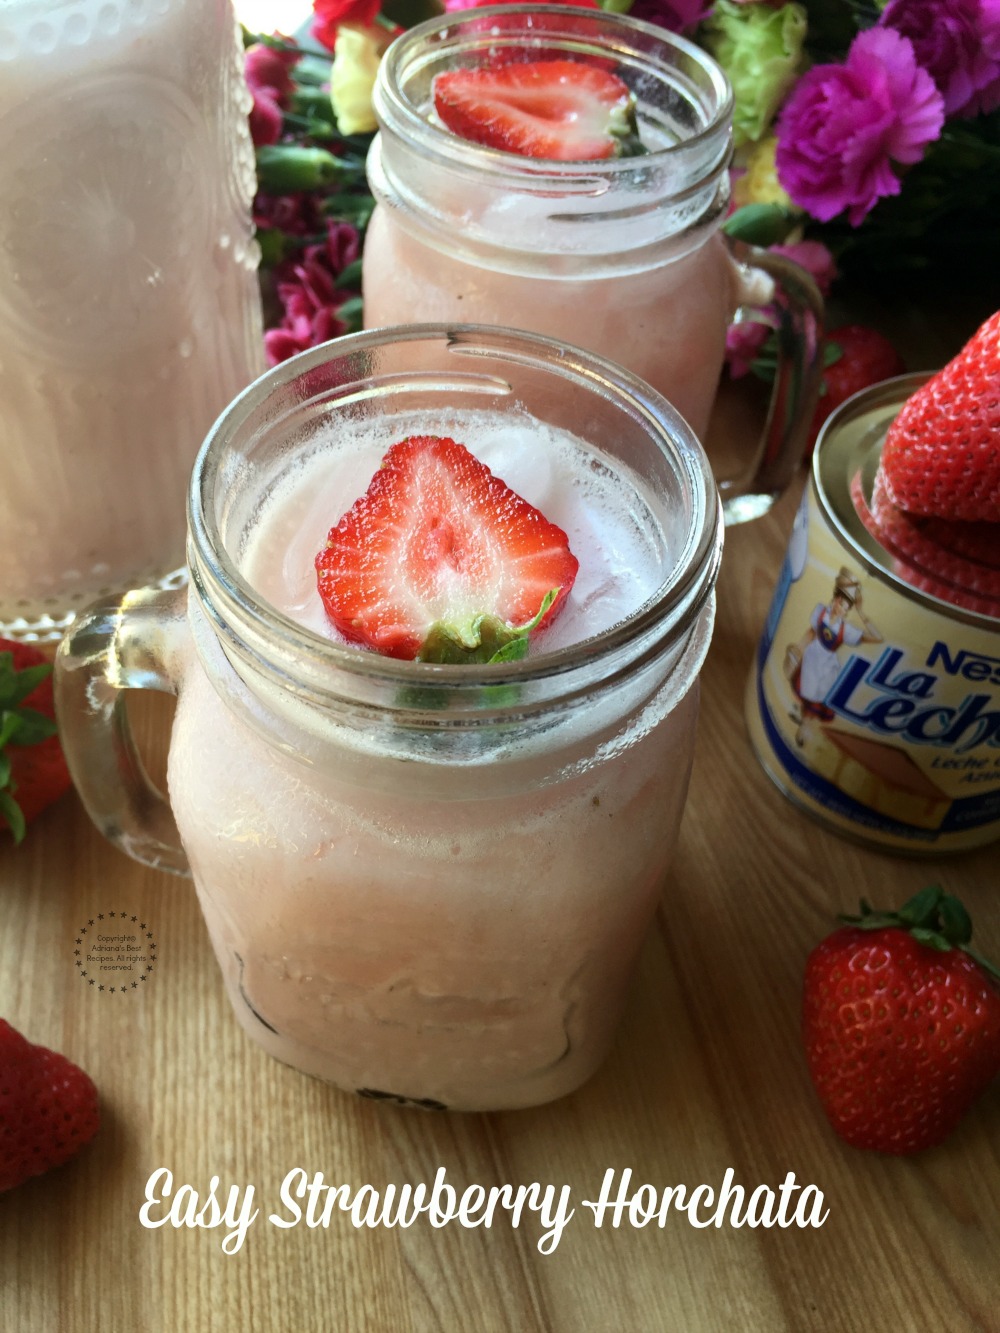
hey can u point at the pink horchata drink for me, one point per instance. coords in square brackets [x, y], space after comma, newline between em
[128, 288]
[424, 882]
[622, 255]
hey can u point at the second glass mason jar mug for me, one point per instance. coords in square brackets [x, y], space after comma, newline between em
[623, 257]
[425, 883]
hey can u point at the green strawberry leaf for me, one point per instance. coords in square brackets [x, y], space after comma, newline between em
[921, 909]
[32, 727]
[931, 938]
[956, 924]
[484, 640]
[17, 685]
[935, 918]
[512, 651]
[11, 812]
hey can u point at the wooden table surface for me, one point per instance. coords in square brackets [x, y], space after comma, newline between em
[707, 1074]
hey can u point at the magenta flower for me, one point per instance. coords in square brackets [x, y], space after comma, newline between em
[309, 295]
[680, 16]
[958, 43]
[844, 126]
[295, 214]
[271, 70]
[743, 344]
[266, 120]
[270, 82]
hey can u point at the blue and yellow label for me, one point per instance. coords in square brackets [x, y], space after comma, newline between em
[874, 710]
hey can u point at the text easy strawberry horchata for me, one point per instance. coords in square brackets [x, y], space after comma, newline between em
[874, 701]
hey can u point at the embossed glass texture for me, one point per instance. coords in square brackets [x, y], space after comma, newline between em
[129, 309]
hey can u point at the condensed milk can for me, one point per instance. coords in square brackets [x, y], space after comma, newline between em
[872, 703]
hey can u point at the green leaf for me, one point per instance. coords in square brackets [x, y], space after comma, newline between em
[11, 812]
[356, 208]
[351, 312]
[511, 652]
[921, 909]
[32, 727]
[956, 924]
[930, 938]
[313, 103]
[4, 770]
[17, 685]
[350, 275]
[483, 640]
[8, 728]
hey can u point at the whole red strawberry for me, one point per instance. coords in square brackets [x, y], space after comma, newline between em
[856, 357]
[941, 456]
[33, 772]
[48, 1108]
[901, 1024]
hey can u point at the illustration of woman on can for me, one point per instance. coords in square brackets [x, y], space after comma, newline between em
[812, 665]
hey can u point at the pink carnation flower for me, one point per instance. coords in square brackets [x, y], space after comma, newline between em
[270, 82]
[743, 344]
[309, 295]
[958, 43]
[815, 258]
[844, 126]
[270, 70]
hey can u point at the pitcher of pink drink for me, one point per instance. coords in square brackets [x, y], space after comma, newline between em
[424, 882]
[622, 256]
[129, 305]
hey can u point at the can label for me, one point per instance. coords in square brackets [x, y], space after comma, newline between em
[877, 713]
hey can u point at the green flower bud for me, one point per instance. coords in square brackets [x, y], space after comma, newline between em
[760, 49]
[286, 168]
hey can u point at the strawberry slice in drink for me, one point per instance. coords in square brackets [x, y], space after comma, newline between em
[440, 560]
[563, 110]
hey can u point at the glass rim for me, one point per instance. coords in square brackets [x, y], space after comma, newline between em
[667, 614]
[388, 93]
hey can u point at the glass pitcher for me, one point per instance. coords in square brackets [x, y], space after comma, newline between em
[128, 289]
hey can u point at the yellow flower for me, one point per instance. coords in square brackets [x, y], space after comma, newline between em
[356, 57]
[759, 183]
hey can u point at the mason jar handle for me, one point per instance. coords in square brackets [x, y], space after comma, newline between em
[133, 643]
[795, 308]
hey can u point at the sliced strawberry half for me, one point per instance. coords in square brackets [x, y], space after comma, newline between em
[441, 560]
[563, 110]
[926, 552]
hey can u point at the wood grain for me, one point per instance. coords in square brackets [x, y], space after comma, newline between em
[707, 1074]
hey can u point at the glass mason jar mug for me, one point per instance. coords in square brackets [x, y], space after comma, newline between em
[623, 257]
[128, 287]
[423, 882]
